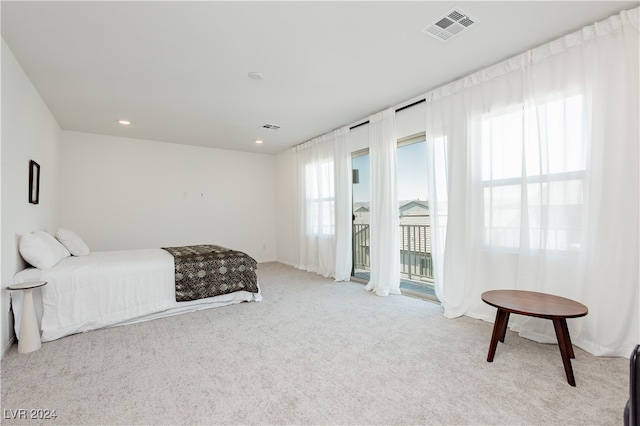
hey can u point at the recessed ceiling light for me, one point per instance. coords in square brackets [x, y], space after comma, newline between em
[124, 122]
[259, 141]
[255, 75]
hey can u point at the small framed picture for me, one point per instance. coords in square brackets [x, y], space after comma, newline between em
[34, 182]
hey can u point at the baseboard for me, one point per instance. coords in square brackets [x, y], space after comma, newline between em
[7, 346]
[285, 263]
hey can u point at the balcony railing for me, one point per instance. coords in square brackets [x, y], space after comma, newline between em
[415, 251]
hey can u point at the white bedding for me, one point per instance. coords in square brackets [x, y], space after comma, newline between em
[110, 288]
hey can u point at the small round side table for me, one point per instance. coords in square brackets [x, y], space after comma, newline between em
[29, 338]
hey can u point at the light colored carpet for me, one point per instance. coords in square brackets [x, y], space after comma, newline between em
[313, 352]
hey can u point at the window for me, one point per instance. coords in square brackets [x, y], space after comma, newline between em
[416, 264]
[361, 205]
[533, 163]
[415, 223]
[320, 198]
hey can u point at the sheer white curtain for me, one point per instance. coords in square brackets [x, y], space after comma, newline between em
[384, 220]
[437, 172]
[324, 205]
[344, 257]
[541, 179]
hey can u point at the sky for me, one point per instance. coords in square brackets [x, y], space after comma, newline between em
[412, 174]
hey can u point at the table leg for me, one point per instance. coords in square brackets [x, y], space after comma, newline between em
[567, 339]
[562, 333]
[29, 338]
[504, 326]
[498, 332]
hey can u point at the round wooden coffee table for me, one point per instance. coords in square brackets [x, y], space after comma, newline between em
[540, 305]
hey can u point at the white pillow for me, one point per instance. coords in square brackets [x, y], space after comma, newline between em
[72, 242]
[42, 250]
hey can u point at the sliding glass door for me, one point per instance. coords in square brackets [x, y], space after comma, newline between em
[413, 210]
[361, 203]
[416, 266]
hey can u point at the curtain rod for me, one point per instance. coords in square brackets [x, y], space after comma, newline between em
[398, 110]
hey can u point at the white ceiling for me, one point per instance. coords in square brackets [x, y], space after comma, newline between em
[178, 70]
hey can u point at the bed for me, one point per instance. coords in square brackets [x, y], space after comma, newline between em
[112, 288]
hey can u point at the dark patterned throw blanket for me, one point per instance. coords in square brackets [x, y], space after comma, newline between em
[208, 270]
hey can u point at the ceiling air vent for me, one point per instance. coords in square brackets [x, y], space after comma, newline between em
[270, 126]
[450, 24]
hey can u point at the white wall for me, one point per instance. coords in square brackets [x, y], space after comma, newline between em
[285, 221]
[120, 193]
[409, 122]
[29, 132]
